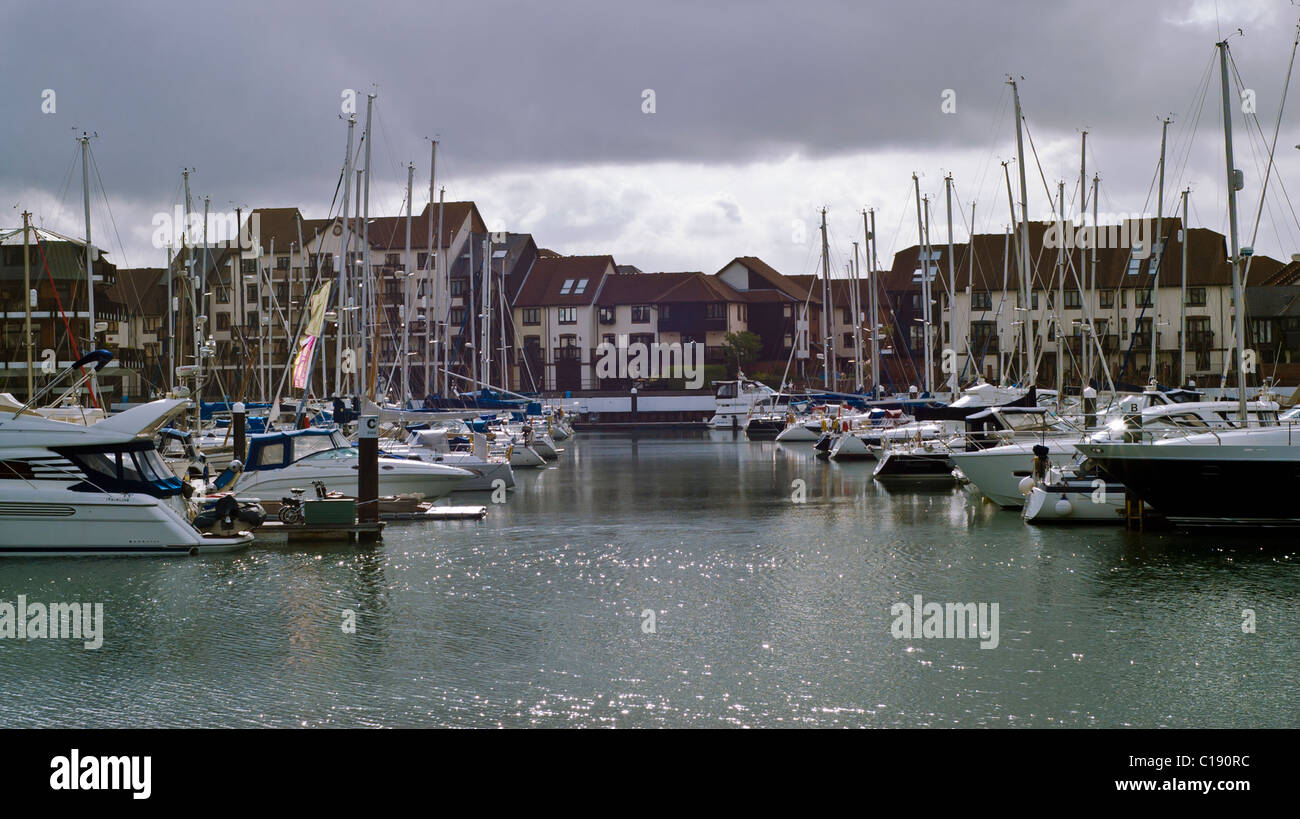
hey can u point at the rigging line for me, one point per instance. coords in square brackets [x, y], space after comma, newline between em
[1272, 149]
[1254, 118]
[63, 191]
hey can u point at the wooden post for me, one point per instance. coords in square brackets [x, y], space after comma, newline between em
[238, 419]
[368, 479]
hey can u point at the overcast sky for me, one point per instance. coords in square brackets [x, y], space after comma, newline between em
[764, 112]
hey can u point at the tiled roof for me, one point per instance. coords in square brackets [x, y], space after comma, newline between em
[546, 280]
[1206, 255]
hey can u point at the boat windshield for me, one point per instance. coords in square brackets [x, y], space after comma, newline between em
[340, 454]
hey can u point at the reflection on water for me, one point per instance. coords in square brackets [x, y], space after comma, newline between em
[767, 612]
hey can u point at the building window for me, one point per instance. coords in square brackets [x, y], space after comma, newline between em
[281, 262]
[457, 317]
[223, 321]
[567, 287]
[580, 288]
[642, 338]
[392, 259]
[1020, 300]
[532, 316]
[1072, 300]
[568, 315]
[742, 312]
[1196, 297]
[223, 295]
[248, 266]
[1107, 299]
[607, 315]
[421, 259]
[457, 287]
[787, 310]
[1123, 329]
[1134, 264]
[981, 300]
[640, 314]
[917, 341]
[1123, 298]
[250, 291]
[848, 341]
[717, 310]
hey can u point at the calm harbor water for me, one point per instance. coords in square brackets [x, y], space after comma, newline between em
[767, 612]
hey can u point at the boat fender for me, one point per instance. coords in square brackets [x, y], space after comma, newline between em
[1027, 484]
[1064, 507]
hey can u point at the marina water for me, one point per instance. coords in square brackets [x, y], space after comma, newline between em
[674, 579]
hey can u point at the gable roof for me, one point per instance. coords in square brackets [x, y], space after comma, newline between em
[764, 274]
[542, 286]
[389, 232]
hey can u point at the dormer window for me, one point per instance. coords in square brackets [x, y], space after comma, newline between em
[566, 287]
[582, 285]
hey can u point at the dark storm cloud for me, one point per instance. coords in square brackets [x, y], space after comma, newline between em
[249, 92]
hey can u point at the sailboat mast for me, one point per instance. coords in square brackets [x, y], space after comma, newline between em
[367, 354]
[952, 287]
[826, 336]
[431, 269]
[1092, 295]
[444, 278]
[1158, 248]
[1234, 184]
[871, 277]
[855, 298]
[1084, 295]
[927, 300]
[340, 297]
[90, 270]
[27, 300]
[1026, 285]
[1182, 319]
[406, 295]
[1060, 296]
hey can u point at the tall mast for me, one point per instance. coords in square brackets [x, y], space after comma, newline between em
[1092, 276]
[1026, 284]
[485, 337]
[444, 278]
[1085, 295]
[871, 275]
[340, 297]
[171, 325]
[1022, 346]
[1158, 248]
[90, 271]
[1182, 319]
[927, 300]
[952, 286]
[827, 352]
[1234, 184]
[406, 295]
[1060, 296]
[365, 289]
[855, 298]
[431, 269]
[27, 301]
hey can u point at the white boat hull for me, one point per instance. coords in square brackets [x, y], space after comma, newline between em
[38, 522]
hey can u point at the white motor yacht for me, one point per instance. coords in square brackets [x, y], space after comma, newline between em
[279, 462]
[98, 489]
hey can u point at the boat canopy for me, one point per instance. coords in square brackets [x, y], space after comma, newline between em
[276, 450]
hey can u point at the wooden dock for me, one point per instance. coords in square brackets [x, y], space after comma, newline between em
[298, 533]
